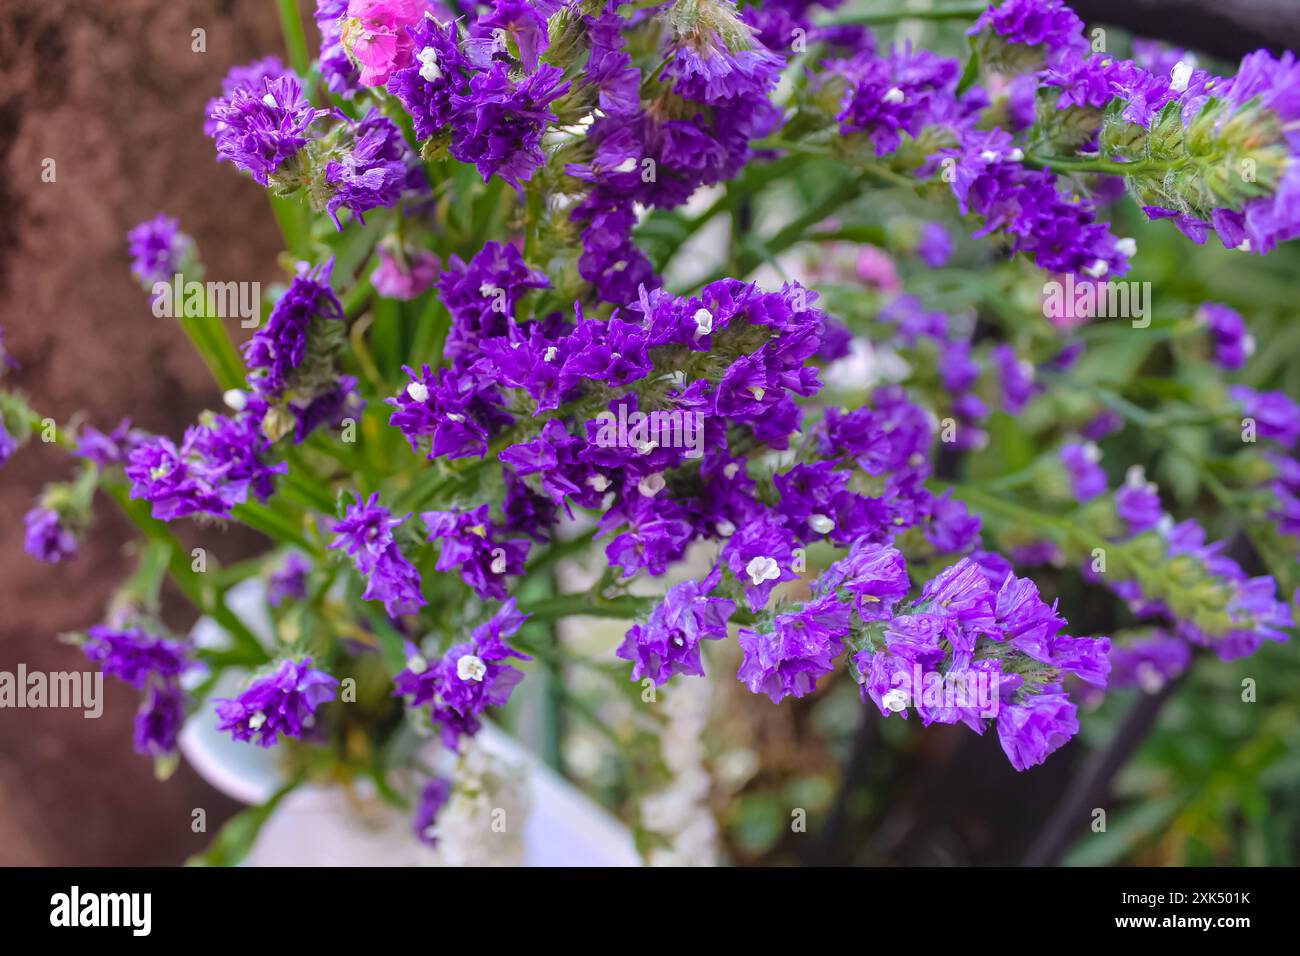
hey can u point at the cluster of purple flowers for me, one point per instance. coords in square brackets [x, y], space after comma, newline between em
[468, 678]
[152, 664]
[158, 249]
[459, 89]
[283, 703]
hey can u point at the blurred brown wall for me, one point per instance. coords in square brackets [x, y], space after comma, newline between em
[114, 94]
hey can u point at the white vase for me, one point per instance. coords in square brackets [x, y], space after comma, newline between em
[326, 826]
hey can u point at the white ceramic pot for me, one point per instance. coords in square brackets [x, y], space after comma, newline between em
[324, 826]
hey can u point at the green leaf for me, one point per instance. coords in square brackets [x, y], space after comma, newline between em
[236, 838]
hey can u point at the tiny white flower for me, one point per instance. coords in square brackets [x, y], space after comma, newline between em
[895, 700]
[703, 322]
[1180, 76]
[627, 166]
[551, 352]
[470, 667]
[1128, 247]
[235, 399]
[758, 391]
[1016, 155]
[1245, 246]
[762, 568]
[487, 290]
[651, 484]
[990, 156]
[1136, 476]
[269, 100]
[456, 417]
[725, 528]
[821, 524]
[894, 95]
[1091, 452]
[598, 483]
[1097, 269]
[429, 69]
[1248, 345]
[645, 447]
[418, 392]
[417, 664]
[256, 721]
[731, 470]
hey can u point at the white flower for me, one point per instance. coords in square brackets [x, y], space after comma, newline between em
[1127, 247]
[470, 667]
[598, 483]
[1180, 76]
[894, 95]
[725, 528]
[651, 484]
[703, 322]
[895, 700]
[235, 399]
[762, 568]
[417, 664]
[418, 392]
[429, 70]
[821, 524]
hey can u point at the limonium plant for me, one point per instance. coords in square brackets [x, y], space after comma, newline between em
[494, 351]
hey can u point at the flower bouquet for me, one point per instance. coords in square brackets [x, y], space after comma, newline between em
[796, 353]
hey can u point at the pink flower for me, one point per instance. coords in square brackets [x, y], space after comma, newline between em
[404, 277]
[876, 268]
[375, 36]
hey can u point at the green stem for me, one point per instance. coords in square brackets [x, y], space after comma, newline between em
[295, 40]
[961, 11]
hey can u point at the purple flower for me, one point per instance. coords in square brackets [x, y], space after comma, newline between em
[47, 538]
[134, 656]
[468, 542]
[669, 642]
[288, 582]
[1048, 25]
[901, 93]
[159, 250]
[521, 21]
[469, 678]
[158, 724]
[761, 555]
[8, 444]
[874, 575]
[1274, 415]
[1017, 378]
[498, 123]
[1137, 502]
[483, 293]
[1232, 343]
[952, 528]
[935, 246]
[788, 660]
[111, 449]
[458, 411]
[375, 172]
[1149, 662]
[249, 76]
[1036, 727]
[433, 797]
[284, 702]
[366, 533]
[277, 350]
[1087, 479]
[260, 129]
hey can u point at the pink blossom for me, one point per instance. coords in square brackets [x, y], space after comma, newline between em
[375, 36]
[876, 268]
[405, 277]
